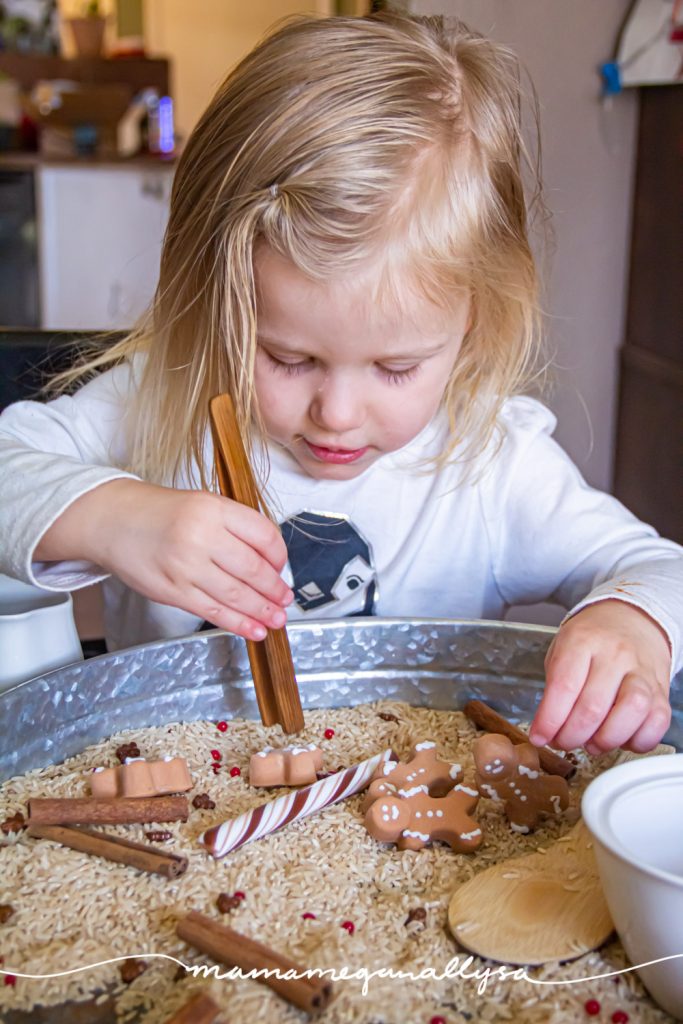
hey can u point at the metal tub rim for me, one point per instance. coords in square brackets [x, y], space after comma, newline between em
[437, 663]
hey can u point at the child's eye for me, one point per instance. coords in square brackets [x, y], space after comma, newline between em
[291, 368]
[394, 376]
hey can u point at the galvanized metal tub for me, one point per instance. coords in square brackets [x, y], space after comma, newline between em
[439, 663]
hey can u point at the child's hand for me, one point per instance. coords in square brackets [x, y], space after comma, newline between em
[198, 551]
[607, 682]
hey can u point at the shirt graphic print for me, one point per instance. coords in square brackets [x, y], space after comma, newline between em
[330, 567]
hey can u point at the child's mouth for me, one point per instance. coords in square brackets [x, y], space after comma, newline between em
[338, 455]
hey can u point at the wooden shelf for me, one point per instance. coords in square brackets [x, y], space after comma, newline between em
[138, 72]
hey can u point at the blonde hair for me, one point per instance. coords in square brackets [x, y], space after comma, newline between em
[337, 142]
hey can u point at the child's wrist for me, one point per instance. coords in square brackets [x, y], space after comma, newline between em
[80, 531]
[103, 513]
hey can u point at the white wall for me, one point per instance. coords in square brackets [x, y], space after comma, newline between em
[588, 161]
[205, 38]
[588, 156]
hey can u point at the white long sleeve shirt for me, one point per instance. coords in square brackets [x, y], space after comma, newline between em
[402, 539]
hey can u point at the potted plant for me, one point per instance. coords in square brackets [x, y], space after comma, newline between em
[88, 30]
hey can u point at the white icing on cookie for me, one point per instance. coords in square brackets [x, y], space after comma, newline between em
[470, 835]
[466, 789]
[413, 791]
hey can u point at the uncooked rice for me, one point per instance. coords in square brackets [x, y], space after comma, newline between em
[72, 910]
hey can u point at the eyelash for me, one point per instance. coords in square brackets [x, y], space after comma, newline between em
[399, 376]
[391, 376]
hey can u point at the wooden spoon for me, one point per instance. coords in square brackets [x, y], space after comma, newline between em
[537, 908]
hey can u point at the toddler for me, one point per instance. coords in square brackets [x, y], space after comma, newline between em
[347, 257]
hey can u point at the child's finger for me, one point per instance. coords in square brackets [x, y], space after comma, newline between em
[233, 621]
[566, 670]
[241, 561]
[224, 591]
[592, 706]
[630, 711]
[258, 532]
[653, 729]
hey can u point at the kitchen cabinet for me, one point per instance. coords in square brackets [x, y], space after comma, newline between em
[100, 235]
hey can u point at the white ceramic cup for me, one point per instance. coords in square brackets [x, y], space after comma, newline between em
[37, 631]
[635, 814]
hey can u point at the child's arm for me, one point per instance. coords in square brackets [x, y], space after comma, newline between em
[68, 517]
[193, 550]
[555, 538]
[607, 681]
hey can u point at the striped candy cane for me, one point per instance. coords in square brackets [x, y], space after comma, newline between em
[270, 817]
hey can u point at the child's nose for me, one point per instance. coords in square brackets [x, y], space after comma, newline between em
[338, 405]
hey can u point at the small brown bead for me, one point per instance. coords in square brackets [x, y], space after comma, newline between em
[5, 912]
[158, 836]
[204, 802]
[417, 914]
[14, 824]
[180, 974]
[226, 903]
[127, 750]
[132, 969]
[387, 716]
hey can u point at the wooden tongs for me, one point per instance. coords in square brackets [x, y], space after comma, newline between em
[271, 663]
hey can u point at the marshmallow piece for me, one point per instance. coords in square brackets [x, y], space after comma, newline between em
[287, 766]
[139, 778]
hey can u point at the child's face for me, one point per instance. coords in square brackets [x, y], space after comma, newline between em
[341, 381]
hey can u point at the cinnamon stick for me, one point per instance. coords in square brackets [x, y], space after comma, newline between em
[484, 717]
[100, 811]
[236, 950]
[199, 1010]
[272, 668]
[123, 851]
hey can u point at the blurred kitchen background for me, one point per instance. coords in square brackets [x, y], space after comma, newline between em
[97, 99]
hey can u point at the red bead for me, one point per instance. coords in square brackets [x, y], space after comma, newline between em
[620, 1017]
[308, 916]
[437, 1020]
[329, 733]
[222, 726]
[239, 895]
[216, 755]
[350, 926]
[592, 1007]
[10, 979]
[215, 768]
[234, 772]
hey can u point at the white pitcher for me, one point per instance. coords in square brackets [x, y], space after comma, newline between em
[37, 631]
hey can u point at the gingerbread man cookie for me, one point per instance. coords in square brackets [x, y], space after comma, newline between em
[413, 821]
[286, 766]
[423, 773]
[511, 773]
[137, 777]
